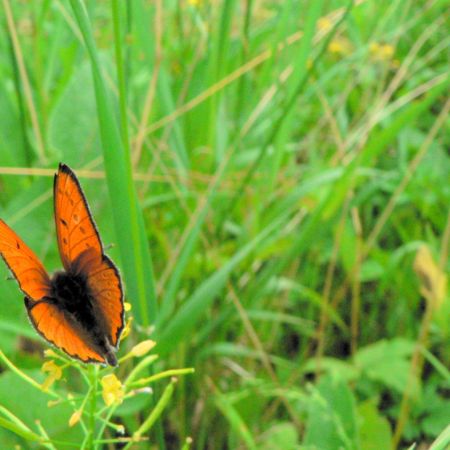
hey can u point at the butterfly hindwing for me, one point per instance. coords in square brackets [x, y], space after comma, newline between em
[105, 287]
[24, 264]
[53, 325]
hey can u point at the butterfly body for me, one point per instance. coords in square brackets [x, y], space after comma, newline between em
[78, 309]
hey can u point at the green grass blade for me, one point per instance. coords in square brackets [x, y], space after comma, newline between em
[129, 224]
[143, 16]
[168, 300]
[220, 44]
[25, 433]
[235, 420]
[443, 440]
[186, 319]
[379, 142]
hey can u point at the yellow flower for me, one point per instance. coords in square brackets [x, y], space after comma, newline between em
[381, 52]
[324, 24]
[143, 347]
[113, 391]
[340, 46]
[127, 306]
[194, 2]
[54, 373]
[75, 417]
[127, 329]
[433, 279]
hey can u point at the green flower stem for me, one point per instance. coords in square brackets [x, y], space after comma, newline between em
[24, 376]
[93, 377]
[154, 415]
[165, 374]
[140, 367]
[26, 433]
[49, 443]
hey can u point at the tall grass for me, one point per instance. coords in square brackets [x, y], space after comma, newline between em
[129, 227]
[274, 171]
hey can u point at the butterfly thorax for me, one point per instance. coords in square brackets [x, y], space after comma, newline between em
[71, 292]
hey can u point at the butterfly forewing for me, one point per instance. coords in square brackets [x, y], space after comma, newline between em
[75, 227]
[24, 264]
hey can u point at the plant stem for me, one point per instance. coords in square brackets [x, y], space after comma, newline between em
[93, 378]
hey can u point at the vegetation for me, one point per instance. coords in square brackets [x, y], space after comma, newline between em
[273, 179]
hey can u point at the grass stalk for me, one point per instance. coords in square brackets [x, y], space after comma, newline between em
[128, 218]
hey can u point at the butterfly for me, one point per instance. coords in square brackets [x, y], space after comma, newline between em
[79, 309]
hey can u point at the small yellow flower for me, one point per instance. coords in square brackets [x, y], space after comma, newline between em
[143, 347]
[127, 306]
[194, 2]
[381, 52]
[75, 417]
[54, 373]
[387, 51]
[324, 24]
[113, 391]
[340, 46]
[127, 329]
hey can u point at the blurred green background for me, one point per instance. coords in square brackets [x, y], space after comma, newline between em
[274, 179]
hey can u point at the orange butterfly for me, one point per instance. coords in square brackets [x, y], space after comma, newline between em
[79, 309]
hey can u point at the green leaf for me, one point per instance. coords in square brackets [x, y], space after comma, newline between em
[30, 405]
[235, 420]
[388, 362]
[331, 422]
[282, 435]
[374, 429]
